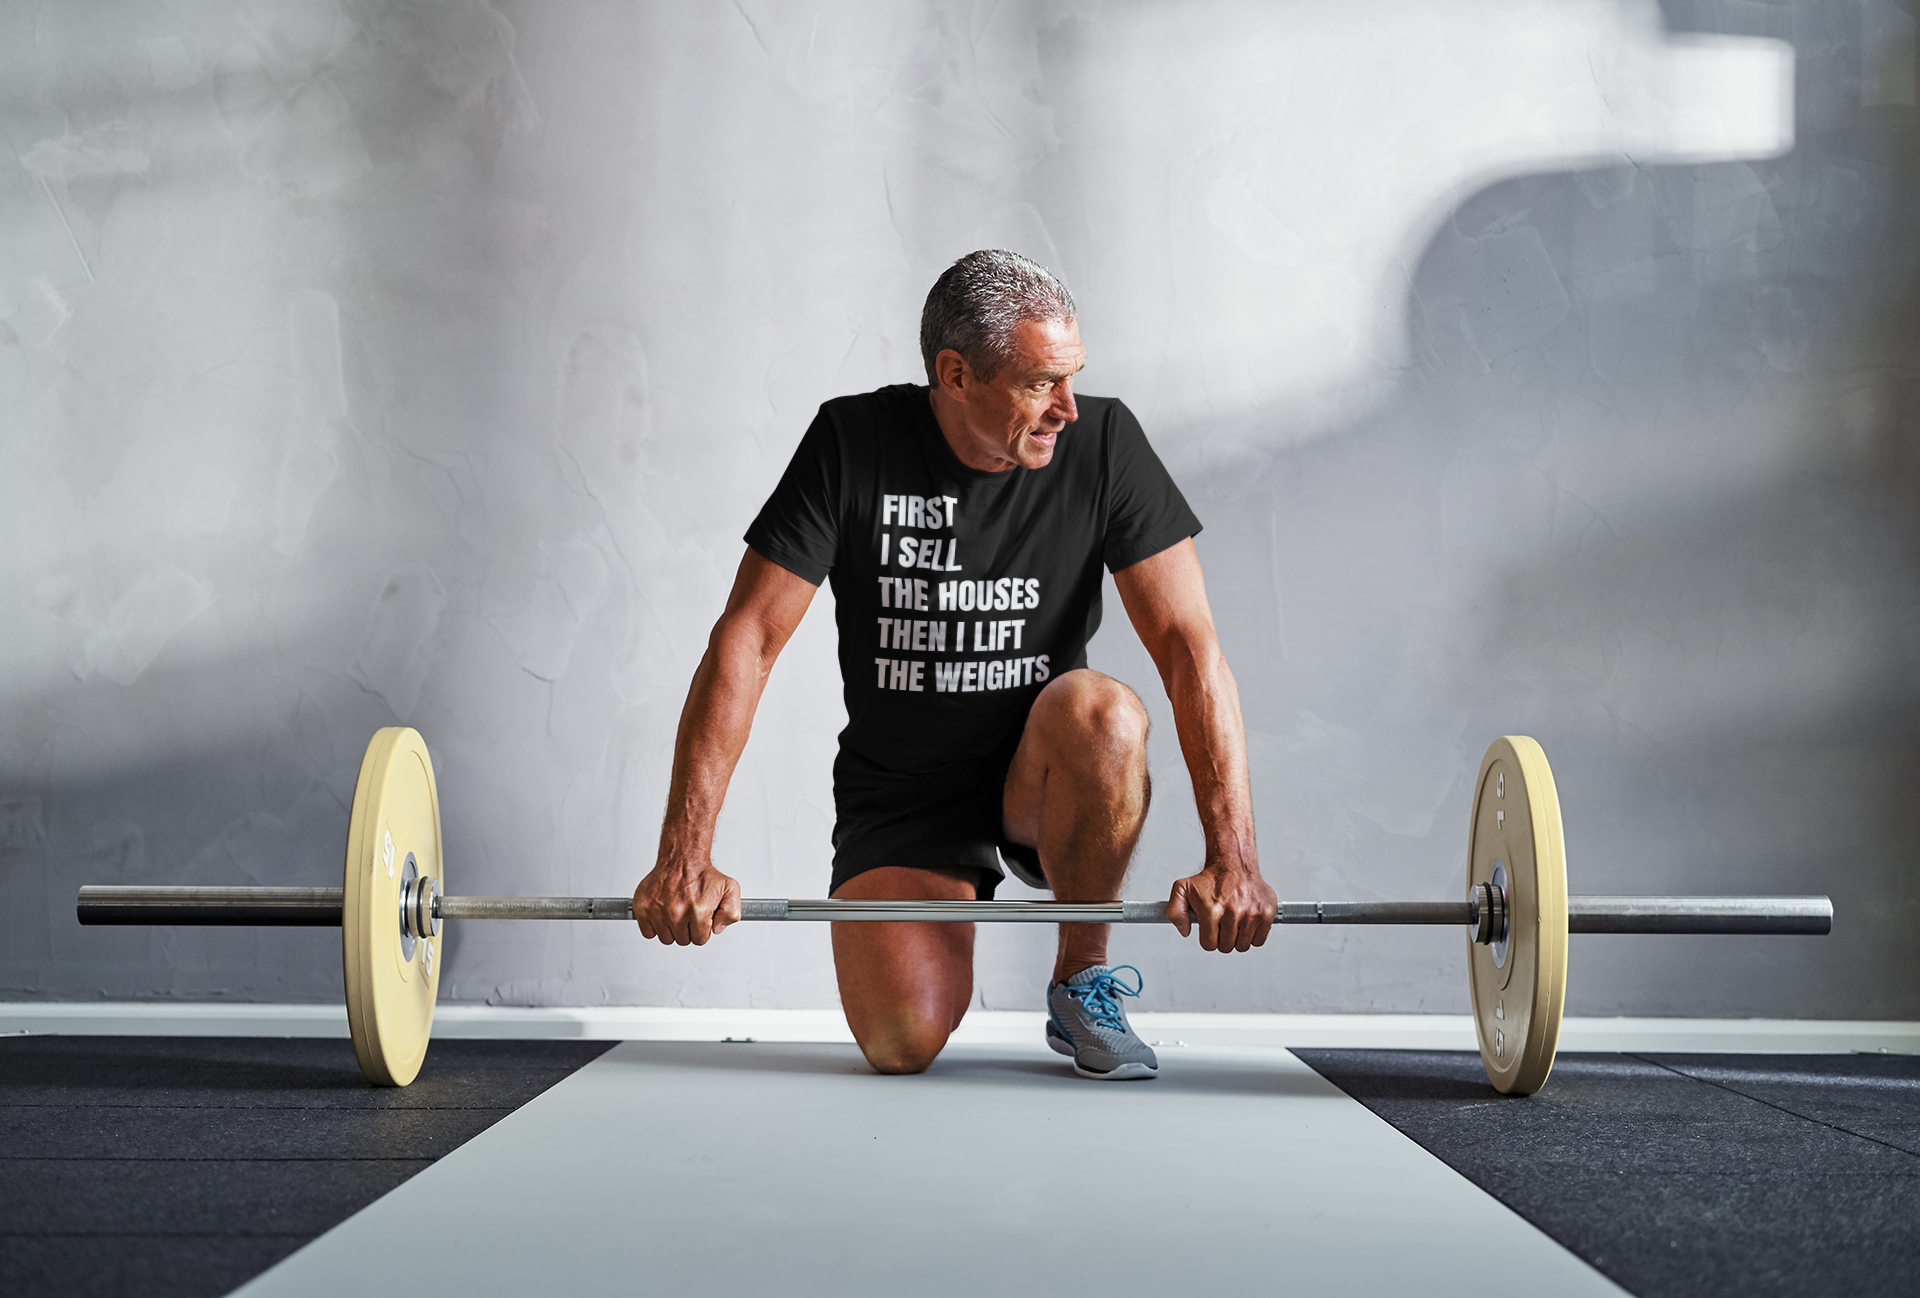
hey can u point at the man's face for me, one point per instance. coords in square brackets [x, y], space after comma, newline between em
[1015, 417]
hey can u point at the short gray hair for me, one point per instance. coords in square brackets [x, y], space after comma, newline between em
[977, 303]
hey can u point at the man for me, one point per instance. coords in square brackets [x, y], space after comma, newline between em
[964, 525]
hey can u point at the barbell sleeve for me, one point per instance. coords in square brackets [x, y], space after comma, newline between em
[120, 904]
[1765, 915]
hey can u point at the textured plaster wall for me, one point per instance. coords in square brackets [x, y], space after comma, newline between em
[1536, 367]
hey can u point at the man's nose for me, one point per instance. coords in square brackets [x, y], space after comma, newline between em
[1062, 407]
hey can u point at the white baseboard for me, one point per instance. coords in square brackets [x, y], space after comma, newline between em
[982, 1027]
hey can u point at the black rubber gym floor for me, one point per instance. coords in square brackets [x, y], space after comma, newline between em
[1682, 1174]
[188, 1165]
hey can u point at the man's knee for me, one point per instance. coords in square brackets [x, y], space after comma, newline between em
[1104, 714]
[906, 1044]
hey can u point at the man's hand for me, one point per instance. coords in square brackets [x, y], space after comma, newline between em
[685, 903]
[1233, 907]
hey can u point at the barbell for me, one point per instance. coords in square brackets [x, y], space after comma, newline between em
[1516, 911]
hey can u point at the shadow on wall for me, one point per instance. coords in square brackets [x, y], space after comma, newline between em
[193, 818]
[1649, 494]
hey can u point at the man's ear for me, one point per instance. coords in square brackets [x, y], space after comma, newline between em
[954, 372]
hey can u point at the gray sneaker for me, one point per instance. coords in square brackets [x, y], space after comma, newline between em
[1086, 1020]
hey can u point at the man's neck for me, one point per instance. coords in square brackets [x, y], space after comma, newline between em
[952, 419]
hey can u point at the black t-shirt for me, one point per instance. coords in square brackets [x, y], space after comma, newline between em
[960, 593]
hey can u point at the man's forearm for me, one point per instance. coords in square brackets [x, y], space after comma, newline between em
[1213, 738]
[714, 726]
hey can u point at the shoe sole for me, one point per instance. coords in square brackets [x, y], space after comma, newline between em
[1124, 1073]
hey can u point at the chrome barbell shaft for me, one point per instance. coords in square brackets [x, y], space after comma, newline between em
[534, 908]
[323, 906]
[1375, 912]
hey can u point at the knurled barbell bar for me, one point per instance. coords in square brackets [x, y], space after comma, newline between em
[1516, 911]
[422, 907]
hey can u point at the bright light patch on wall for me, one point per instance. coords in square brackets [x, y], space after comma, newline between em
[1303, 155]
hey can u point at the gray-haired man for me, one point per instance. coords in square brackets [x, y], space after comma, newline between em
[964, 526]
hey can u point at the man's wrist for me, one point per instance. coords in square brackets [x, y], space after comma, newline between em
[681, 859]
[1232, 866]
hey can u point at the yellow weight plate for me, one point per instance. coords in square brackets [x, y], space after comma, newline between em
[392, 977]
[1519, 985]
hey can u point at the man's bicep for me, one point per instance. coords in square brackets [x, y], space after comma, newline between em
[1165, 596]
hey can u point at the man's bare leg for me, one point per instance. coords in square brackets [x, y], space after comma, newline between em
[905, 987]
[1077, 791]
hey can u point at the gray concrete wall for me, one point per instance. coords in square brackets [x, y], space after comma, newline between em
[1542, 368]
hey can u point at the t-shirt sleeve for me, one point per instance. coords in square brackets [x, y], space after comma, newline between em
[799, 526]
[1145, 511]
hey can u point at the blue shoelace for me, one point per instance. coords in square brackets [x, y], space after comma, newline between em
[1099, 997]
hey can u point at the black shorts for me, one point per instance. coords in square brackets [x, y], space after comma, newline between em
[945, 819]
